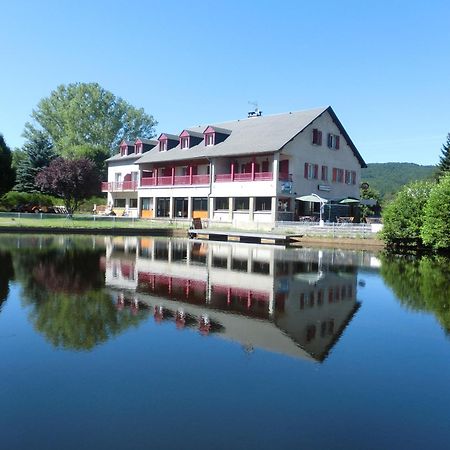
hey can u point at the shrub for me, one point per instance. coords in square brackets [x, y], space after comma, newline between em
[404, 215]
[13, 199]
[436, 224]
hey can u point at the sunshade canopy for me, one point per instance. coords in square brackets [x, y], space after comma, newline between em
[349, 200]
[312, 198]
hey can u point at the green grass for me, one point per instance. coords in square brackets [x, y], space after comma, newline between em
[85, 223]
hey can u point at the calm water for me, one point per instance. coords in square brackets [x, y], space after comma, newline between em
[130, 343]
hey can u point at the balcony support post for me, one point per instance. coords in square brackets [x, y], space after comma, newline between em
[190, 174]
[232, 171]
[173, 176]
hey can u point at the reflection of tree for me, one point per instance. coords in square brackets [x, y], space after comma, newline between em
[7, 274]
[64, 289]
[420, 283]
[80, 322]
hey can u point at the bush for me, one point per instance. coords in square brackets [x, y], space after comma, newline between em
[88, 204]
[12, 199]
[403, 217]
[436, 224]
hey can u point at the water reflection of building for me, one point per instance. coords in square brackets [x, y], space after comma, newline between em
[295, 302]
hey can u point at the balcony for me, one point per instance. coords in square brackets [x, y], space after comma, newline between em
[119, 186]
[257, 176]
[178, 180]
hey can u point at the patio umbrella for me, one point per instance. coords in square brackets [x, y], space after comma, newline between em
[312, 198]
[349, 200]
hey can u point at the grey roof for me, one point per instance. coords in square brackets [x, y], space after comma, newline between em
[262, 134]
[219, 130]
[172, 137]
[194, 133]
[148, 141]
[129, 143]
[118, 157]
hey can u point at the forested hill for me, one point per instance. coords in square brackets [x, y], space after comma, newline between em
[388, 178]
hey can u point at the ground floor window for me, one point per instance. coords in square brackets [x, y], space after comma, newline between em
[133, 203]
[222, 203]
[162, 207]
[181, 207]
[263, 203]
[119, 203]
[241, 203]
[146, 203]
[200, 203]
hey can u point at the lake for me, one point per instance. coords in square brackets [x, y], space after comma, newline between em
[133, 343]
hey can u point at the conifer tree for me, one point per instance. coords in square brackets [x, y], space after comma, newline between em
[7, 174]
[444, 164]
[38, 153]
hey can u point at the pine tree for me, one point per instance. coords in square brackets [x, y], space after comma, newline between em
[39, 153]
[444, 164]
[7, 173]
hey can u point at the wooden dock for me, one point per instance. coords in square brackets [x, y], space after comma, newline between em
[252, 237]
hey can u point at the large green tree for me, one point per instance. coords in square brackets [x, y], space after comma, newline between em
[435, 231]
[444, 163]
[7, 173]
[403, 216]
[37, 153]
[85, 120]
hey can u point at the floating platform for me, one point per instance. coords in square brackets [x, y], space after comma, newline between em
[247, 237]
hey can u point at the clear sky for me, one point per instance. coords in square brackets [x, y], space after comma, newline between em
[384, 66]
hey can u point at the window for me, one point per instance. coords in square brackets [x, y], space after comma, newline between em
[338, 175]
[184, 143]
[241, 203]
[263, 203]
[133, 203]
[200, 204]
[119, 203]
[222, 203]
[333, 141]
[123, 150]
[209, 139]
[311, 171]
[163, 145]
[317, 137]
[117, 177]
[146, 203]
[324, 176]
[350, 177]
[138, 147]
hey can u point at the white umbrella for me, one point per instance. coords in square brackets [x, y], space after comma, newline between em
[312, 198]
[349, 200]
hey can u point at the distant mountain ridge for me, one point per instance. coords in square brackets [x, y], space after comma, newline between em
[388, 178]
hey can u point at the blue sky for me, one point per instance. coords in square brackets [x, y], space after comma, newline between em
[384, 66]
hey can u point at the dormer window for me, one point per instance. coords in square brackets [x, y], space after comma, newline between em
[214, 135]
[163, 145]
[184, 142]
[138, 148]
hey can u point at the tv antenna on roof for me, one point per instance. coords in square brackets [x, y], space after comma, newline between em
[256, 112]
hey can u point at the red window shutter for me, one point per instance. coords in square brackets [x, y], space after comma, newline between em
[334, 173]
[306, 170]
[320, 137]
[316, 171]
[329, 140]
[337, 142]
[315, 136]
[354, 177]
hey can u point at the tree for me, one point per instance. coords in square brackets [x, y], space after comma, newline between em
[85, 120]
[368, 193]
[436, 225]
[38, 153]
[403, 216]
[7, 174]
[444, 164]
[73, 180]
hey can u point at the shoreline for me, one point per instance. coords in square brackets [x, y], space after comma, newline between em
[310, 241]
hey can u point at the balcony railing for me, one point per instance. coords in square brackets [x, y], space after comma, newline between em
[175, 181]
[119, 186]
[257, 176]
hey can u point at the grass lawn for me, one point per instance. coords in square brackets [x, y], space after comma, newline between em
[31, 221]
